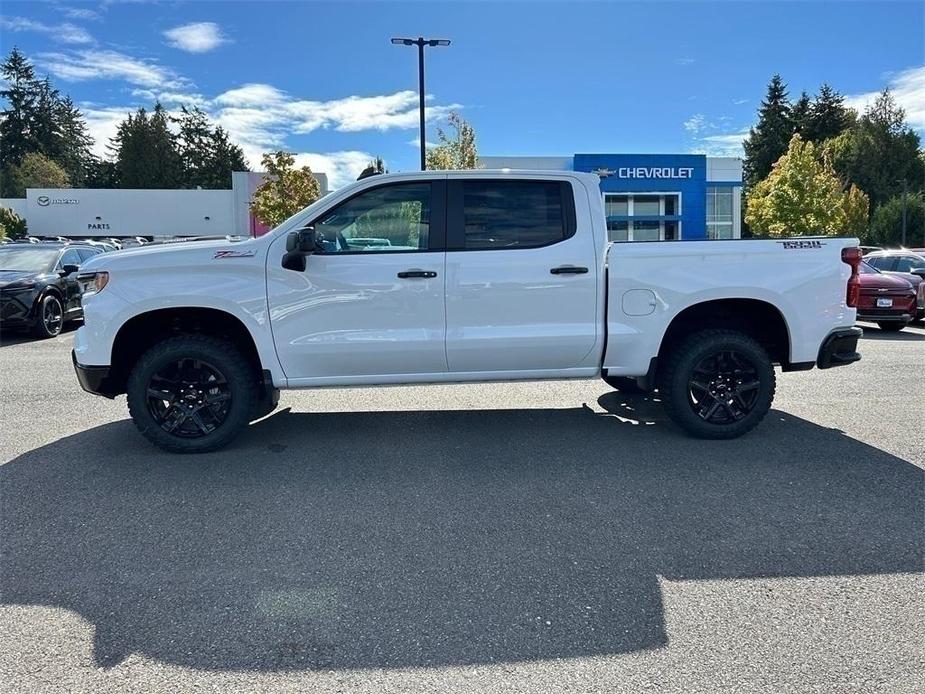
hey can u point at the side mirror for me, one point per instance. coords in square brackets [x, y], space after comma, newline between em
[301, 241]
[68, 269]
[920, 271]
[299, 244]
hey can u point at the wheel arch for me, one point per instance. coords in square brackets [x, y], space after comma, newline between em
[142, 331]
[760, 319]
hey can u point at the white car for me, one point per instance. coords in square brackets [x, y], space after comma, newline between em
[487, 276]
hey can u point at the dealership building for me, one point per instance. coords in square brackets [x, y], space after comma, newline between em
[156, 214]
[656, 197]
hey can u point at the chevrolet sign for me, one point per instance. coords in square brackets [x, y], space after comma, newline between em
[655, 172]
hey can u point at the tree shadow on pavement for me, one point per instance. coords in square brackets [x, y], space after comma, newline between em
[426, 538]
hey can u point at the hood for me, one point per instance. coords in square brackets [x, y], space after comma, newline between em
[172, 254]
[883, 281]
[11, 276]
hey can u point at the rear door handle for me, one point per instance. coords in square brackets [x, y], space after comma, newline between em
[408, 274]
[569, 270]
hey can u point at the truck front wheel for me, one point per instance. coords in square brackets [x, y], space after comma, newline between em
[192, 393]
[717, 384]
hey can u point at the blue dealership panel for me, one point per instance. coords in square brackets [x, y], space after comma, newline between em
[656, 173]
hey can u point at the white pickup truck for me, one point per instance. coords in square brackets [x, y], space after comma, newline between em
[450, 277]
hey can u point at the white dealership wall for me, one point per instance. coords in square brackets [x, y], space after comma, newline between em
[90, 212]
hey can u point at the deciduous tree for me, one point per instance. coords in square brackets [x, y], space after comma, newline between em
[880, 151]
[12, 226]
[887, 222]
[803, 196]
[285, 189]
[456, 152]
[34, 171]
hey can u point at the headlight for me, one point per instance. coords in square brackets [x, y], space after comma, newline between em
[92, 282]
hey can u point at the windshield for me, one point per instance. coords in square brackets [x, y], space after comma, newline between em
[866, 269]
[28, 259]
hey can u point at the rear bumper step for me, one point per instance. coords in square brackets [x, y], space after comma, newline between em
[839, 348]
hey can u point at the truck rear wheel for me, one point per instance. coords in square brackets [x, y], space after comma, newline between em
[192, 393]
[717, 384]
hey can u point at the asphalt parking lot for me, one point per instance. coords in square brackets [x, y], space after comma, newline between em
[515, 537]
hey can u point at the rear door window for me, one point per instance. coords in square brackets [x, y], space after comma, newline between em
[496, 214]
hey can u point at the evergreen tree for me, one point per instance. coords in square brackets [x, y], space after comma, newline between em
[76, 157]
[800, 114]
[828, 116]
[226, 157]
[207, 156]
[17, 136]
[768, 140]
[146, 151]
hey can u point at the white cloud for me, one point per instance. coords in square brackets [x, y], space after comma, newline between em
[908, 88]
[723, 145]
[81, 13]
[341, 167]
[739, 102]
[198, 37]
[683, 61]
[79, 66]
[65, 33]
[708, 136]
[695, 123]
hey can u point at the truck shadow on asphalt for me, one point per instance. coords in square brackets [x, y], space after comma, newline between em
[428, 538]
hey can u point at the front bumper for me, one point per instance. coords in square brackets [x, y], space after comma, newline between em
[95, 379]
[839, 348]
[18, 309]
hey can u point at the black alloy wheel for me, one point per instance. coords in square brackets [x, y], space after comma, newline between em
[189, 398]
[723, 388]
[50, 318]
[192, 393]
[717, 383]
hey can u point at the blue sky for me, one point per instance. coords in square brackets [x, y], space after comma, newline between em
[322, 79]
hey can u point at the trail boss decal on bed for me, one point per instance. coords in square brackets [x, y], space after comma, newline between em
[234, 254]
[801, 244]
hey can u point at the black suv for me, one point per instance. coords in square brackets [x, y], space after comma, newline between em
[38, 285]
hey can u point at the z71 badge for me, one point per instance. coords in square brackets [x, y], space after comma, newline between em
[234, 254]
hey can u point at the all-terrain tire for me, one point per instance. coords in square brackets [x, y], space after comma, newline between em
[240, 376]
[677, 372]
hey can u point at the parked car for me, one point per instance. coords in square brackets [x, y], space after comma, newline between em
[38, 285]
[866, 250]
[501, 276]
[887, 300]
[905, 263]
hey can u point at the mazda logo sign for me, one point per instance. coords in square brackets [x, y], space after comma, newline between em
[43, 200]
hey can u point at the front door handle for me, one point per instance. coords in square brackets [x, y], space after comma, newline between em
[407, 274]
[569, 270]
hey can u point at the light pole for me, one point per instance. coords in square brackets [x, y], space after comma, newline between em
[420, 42]
[905, 187]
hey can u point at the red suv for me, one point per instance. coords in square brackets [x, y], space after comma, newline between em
[907, 263]
[887, 300]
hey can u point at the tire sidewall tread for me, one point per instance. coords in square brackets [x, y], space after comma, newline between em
[223, 355]
[673, 383]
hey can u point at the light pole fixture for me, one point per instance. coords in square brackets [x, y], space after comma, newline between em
[420, 42]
